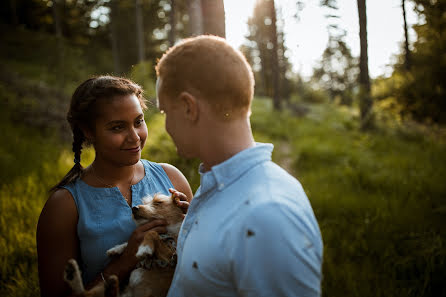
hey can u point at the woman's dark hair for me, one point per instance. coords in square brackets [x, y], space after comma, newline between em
[82, 113]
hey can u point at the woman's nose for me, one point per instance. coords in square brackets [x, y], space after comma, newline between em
[133, 135]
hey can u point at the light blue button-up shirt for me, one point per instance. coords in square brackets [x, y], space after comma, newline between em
[250, 231]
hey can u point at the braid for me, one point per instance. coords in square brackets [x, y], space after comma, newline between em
[78, 140]
[76, 170]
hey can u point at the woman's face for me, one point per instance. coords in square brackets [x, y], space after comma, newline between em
[120, 130]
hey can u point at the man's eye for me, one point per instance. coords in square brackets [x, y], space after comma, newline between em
[140, 121]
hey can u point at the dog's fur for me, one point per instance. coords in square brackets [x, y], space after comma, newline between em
[144, 281]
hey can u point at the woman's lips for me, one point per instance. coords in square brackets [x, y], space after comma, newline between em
[133, 150]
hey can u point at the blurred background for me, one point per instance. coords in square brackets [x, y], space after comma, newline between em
[351, 93]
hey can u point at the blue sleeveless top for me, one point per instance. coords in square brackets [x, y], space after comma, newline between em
[105, 218]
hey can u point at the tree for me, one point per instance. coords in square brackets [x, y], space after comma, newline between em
[275, 58]
[113, 4]
[213, 16]
[421, 90]
[195, 17]
[364, 79]
[337, 72]
[406, 37]
[139, 30]
[172, 22]
[267, 56]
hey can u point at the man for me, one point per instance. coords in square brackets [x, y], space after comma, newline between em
[250, 229]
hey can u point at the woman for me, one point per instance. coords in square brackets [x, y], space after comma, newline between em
[89, 211]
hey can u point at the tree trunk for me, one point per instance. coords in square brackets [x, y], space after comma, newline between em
[213, 12]
[407, 61]
[195, 17]
[57, 4]
[275, 58]
[57, 19]
[364, 79]
[114, 36]
[14, 18]
[172, 21]
[139, 30]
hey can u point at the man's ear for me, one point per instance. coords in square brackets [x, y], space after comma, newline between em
[189, 103]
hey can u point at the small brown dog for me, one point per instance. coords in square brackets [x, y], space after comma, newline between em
[157, 252]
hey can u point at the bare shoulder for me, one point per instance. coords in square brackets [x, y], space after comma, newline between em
[178, 179]
[60, 211]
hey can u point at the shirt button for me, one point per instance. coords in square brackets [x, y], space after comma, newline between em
[221, 186]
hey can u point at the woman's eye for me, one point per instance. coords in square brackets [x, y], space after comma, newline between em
[117, 128]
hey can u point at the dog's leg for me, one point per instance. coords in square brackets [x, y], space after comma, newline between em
[137, 286]
[117, 250]
[112, 286]
[147, 247]
[72, 275]
[162, 250]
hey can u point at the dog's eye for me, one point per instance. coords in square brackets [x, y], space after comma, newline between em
[157, 203]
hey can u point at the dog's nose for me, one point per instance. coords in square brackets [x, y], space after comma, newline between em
[135, 209]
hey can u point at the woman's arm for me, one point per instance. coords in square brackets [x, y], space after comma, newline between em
[57, 242]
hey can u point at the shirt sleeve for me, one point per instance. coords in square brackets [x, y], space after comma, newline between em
[277, 253]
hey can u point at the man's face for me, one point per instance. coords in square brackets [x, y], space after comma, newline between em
[175, 123]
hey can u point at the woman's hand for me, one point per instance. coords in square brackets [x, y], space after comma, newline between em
[129, 254]
[180, 200]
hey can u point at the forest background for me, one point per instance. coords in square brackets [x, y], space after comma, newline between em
[370, 153]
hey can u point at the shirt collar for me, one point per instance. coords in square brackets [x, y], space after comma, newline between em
[225, 173]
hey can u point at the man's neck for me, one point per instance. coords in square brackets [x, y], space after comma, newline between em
[226, 140]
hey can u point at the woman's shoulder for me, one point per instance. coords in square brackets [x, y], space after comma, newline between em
[60, 208]
[61, 200]
[178, 179]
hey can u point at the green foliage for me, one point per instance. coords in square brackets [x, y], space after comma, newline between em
[337, 72]
[36, 56]
[420, 91]
[142, 74]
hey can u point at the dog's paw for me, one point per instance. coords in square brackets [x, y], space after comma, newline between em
[117, 250]
[72, 275]
[144, 251]
[112, 286]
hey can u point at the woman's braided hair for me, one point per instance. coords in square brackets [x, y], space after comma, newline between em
[83, 112]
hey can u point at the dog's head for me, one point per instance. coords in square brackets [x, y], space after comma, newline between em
[160, 207]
